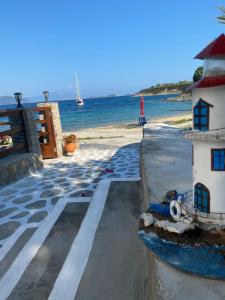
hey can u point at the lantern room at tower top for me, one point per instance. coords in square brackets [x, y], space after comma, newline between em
[208, 135]
[214, 64]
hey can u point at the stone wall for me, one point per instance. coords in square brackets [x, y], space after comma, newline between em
[167, 283]
[18, 138]
[25, 160]
[56, 124]
[29, 136]
[32, 137]
[14, 167]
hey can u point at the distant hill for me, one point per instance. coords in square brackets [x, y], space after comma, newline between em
[7, 100]
[166, 88]
[4, 100]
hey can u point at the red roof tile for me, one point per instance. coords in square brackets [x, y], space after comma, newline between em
[209, 82]
[216, 48]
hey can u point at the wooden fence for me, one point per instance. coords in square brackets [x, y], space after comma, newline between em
[14, 129]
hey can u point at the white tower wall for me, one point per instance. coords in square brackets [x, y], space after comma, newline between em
[202, 173]
[216, 97]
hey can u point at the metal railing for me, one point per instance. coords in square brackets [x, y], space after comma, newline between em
[209, 216]
[217, 133]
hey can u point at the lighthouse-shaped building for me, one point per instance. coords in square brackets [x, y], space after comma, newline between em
[208, 136]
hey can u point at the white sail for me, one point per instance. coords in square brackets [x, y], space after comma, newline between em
[79, 99]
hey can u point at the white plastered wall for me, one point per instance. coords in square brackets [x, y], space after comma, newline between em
[202, 173]
[216, 97]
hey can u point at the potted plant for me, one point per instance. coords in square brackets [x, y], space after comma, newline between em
[71, 143]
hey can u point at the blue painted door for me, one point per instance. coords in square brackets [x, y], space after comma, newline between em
[202, 198]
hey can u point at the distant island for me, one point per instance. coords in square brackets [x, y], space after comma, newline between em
[166, 88]
[9, 100]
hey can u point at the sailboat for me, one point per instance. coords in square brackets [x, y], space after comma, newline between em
[80, 101]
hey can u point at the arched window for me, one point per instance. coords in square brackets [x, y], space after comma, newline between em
[201, 115]
[202, 198]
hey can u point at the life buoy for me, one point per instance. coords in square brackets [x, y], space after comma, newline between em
[175, 210]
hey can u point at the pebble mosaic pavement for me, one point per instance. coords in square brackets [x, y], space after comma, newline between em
[28, 202]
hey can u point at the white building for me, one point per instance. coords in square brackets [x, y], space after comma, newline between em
[208, 136]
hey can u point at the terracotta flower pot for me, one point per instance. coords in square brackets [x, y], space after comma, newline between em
[70, 147]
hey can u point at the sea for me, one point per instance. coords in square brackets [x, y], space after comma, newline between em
[98, 112]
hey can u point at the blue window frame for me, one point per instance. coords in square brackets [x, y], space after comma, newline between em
[202, 198]
[201, 115]
[218, 159]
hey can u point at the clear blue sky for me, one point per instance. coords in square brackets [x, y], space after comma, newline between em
[117, 46]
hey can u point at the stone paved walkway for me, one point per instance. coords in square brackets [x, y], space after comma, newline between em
[28, 202]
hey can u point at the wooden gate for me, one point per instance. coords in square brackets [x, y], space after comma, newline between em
[46, 132]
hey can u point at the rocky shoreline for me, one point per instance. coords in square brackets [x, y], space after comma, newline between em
[180, 98]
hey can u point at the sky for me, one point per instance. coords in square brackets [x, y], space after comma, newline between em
[117, 47]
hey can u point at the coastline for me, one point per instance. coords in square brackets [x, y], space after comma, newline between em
[163, 93]
[123, 130]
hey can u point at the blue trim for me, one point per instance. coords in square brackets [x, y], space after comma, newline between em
[205, 261]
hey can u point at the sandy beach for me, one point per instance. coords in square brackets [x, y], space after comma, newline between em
[131, 129]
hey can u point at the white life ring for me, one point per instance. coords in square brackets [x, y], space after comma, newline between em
[175, 210]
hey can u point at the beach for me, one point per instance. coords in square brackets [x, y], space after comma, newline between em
[131, 129]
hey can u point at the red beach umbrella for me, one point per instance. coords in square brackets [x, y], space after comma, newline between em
[142, 120]
[142, 104]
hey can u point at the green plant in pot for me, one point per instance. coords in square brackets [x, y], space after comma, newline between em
[71, 143]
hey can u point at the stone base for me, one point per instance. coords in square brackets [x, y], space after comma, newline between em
[15, 167]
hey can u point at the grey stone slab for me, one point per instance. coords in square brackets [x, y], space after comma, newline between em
[39, 278]
[82, 193]
[22, 199]
[60, 180]
[62, 175]
[76, 175]
[114, 175]
[50, 193]
[14, 251]
[36, 204]
[7, 211]
[8, 192]
[117, 266]
[82, 185]
[48, 186]
[54, 200]
[28, 191]
[48, 173]
[120, 169]
[25, 183]
[64, 184]
[8, 228]
[8, 199]
[39, 216]
[20, 215]
[96, 180]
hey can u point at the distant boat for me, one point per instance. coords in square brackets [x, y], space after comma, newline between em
[80, 101]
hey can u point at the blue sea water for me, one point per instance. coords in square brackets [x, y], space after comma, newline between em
[112, 110]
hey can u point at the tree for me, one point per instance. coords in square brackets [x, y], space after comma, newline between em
[221, 19]
[197, 74]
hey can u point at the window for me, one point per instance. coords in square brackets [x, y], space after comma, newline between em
[218, 159]
[202, 198]
[201, 115]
